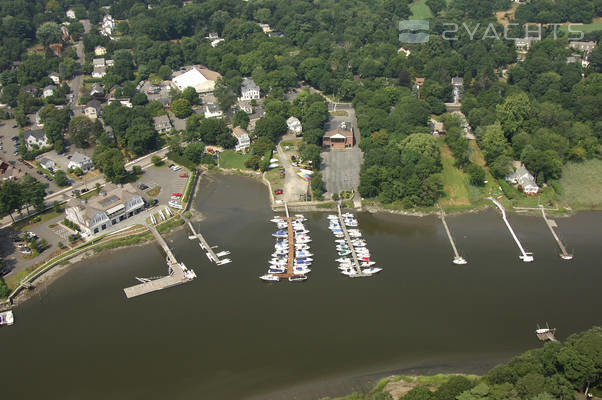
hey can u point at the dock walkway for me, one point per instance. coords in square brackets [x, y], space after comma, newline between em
[457, 258]
[208, 249]
[178, 274]
[359, 273]
[526, 257]
[552, 224]
[291, 247]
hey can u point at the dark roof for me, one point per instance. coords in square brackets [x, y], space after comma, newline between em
[94, 103]
[36, 133]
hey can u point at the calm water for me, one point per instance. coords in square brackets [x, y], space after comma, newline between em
[227, 335]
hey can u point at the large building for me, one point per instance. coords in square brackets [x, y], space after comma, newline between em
[201, 79]
[249, 90]
[114, 204]
[339, 138]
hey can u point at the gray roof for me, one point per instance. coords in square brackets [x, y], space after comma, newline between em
[38, 134]
[80, 158]
[457, 81]
[248, 84]
[50, 87]
[94, 103]
[213, 108]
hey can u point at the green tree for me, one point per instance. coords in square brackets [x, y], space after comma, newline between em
[156, 160]
[476, 174]
[164, 72]
[241, 119]
[271, 126]
[49, 33]
[194, 151]
[311, 152]
[110, 162]
[514, 114]
[181, 108]
[60, 178]
[80, 128]
[452, 388]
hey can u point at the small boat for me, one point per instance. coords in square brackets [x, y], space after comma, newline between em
[348, 215]
[302, 262]
[303, 253]
[343, 260]
[297, 278]
[345, 266]
[280, 234]
[367, 263]
[332, 216]
[302, 246]
[276, 270]
[344, 253]
[7, 318]
[277, 219]
[340, 241]
[301, 270]
[269, 278]
[371, 270]
[349, 272]
[460, 261]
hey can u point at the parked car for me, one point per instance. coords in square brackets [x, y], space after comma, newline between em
[278, 191]
[185, 175]
[176, 194]
[142, 186]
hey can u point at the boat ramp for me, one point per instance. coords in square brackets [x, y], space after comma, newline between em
[526, 257]
[211, 255]
[552, 224]
[178, 273]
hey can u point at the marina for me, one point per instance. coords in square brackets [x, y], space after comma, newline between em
[551, 224]
[209, 252]
[178, 274]
[526, 257]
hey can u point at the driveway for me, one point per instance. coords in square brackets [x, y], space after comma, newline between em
[294, 187]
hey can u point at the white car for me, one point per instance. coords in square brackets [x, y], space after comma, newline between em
[175, 204]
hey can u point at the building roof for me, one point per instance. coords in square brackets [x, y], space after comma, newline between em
[112, 198]
[161, 121]
[80, 158]
[50, 87]
[248, 84]
[238, 132]
[457, 81]
[94, 103]
[37, 134]
[200, 79]
[342, 131]
[46, 163]
[98, 62]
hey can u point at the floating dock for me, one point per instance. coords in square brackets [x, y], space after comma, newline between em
[546, 334]
[552, 224]
[359, 273]
[178, 273]
[208, 249]
[526, 257]
[457, 258]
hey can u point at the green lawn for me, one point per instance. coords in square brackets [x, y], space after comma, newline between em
[455, 182]
[594, 26]
[581, 184]
[420, 10]
[231, 159]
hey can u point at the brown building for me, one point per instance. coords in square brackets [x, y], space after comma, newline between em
[339, 138]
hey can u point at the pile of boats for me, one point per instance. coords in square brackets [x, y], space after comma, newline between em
[293, 247]
[356, 244]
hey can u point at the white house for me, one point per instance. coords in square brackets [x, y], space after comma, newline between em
[245, 105]
[294, 125]
[249, 89]
[100, 51]
[458, 84]
[35, 137]
[217, 41]
[586, 47]
[522, 178]
[98, 62]
[99, 72]
[213, 111]
[48, 91]
[55, 78]
[162, 123]
[70, 14]
[80, 161]
[407, 52]
[265, 28]
[46, 163]
[93, 109]
[201, 79]
[244, 141]
[107, 26]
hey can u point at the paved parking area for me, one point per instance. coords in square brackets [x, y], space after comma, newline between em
[169, 181]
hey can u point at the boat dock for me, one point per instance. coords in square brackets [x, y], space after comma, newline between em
[291, 246]
[359, 273]
[526, 257]
[208, 249]
[546, 334]
[552, 224]
[178, 273]
[457, 258]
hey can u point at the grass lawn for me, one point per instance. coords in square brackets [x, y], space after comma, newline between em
[38, 219]
[420, 10]
[273, 176]
[594, 26]
[230, 159]
[154, 191]
[581, 184]
[455, 182]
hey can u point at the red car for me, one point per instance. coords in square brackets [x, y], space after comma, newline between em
[177, 194]
[278, 191]
[183, 175]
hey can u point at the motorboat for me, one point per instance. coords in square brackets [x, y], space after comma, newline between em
[358, 242]
[344, 253]
[277, 219]
[332, 216]
[301, 270]
[367, 263]
[344, 267]
[348, 215]
[275, 270]
[297, 278]
[340, 241]
[371, 270]
[301, 261]
[269, 278]
[349, 272]
[280, 234]
[343, 260]
[302, 246]
[277, 262]
[303, 254]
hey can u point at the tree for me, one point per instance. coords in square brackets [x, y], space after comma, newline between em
[10, 197]
[141, 139]
[311, 152]
[493, 142]
[137, 170]
[241, 119]
[194, 152]
[225, 95]
[110, 162]
[164, 72]
[80, 128]
[32, 192]
[60, 178]
[514, 114]
[271, 126]
[181, 108]
[191, 95]
[211, 128]
[156, 160]
[452, 388]
[419, 393]
[49, 33]
[317, 186]
[253, 162]
[139, 99]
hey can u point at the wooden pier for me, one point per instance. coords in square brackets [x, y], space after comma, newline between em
[178, 274]
[205, 246]
[457, 258]
[546, 334]
[526, 257]
[552, 224]
[290, 262]
[359, 273]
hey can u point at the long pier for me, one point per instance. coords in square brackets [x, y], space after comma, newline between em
[178, 273]
[526, 257]
[291, 247]
[552, 224]
[205, 246]
[359, 273]
[457, 258]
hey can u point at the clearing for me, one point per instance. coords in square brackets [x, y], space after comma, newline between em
[455, 182]
[420, 10]
[581, 184]
[229, 159]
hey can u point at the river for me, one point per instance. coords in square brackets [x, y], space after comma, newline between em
[227, 335]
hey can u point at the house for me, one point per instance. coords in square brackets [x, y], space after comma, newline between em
[244, 141]
[437, 127]
[585, 47]
[201, 79]
[70, 14]
[162, 123]
[49, 90]
[80, 161]
[107, 26]
[249, 89]
[217, 41]
[524, 180]
[265, 28]
[100, 51]
[114, 204]
[212, 36]
[571, 60]
[123, 101]
[55, 78]
[213, 111]
[294, 126]
[97, 90]
[419, 82]
[64, 33]
[110, 63]
[46, 163]
[339, 138]
[93, 109]
[57, 48]
[523, 45]
[99, 72]
[277, 34]
[35, 137]
[98, 62]
[458, 84]
[32, 90]
[245, 105]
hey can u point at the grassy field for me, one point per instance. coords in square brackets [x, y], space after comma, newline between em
[420, 10]
[581, 184]
[594, 26]
[455, 182]
[230, 159]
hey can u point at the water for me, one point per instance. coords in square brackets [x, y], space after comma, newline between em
[227, 335]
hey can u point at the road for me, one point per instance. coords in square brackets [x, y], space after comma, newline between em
[294, 186]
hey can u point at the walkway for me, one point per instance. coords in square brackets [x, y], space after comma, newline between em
[552, 224]
[205, 246]
[526, 257]
[359, 273]
[457, 258]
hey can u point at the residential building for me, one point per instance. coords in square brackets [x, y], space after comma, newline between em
[80, 161]
[99, 72]
[244, 141]
[70, 14]
[571, 59]
[46, 163]
[339, 138]
[524, 180]
[437, 127]
[114, 204]
[110, 63]
[35, 137]
[245, 105]
[201, 79]
[32, 90]
[107, 26]
[49, 91]
[97, 90]
[98, 62]
[124, 102]
[249, 89]
[585, 47]
[212, 36]
[407, 52]
[213, 111]
[93, 109]
[277, 34]
[458, 84]
[100, 51]
[217, 41]
[55, 78]
[265, 28]
[294, 126]
[162, 123]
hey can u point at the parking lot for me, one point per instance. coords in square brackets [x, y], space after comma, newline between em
[164, 178]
